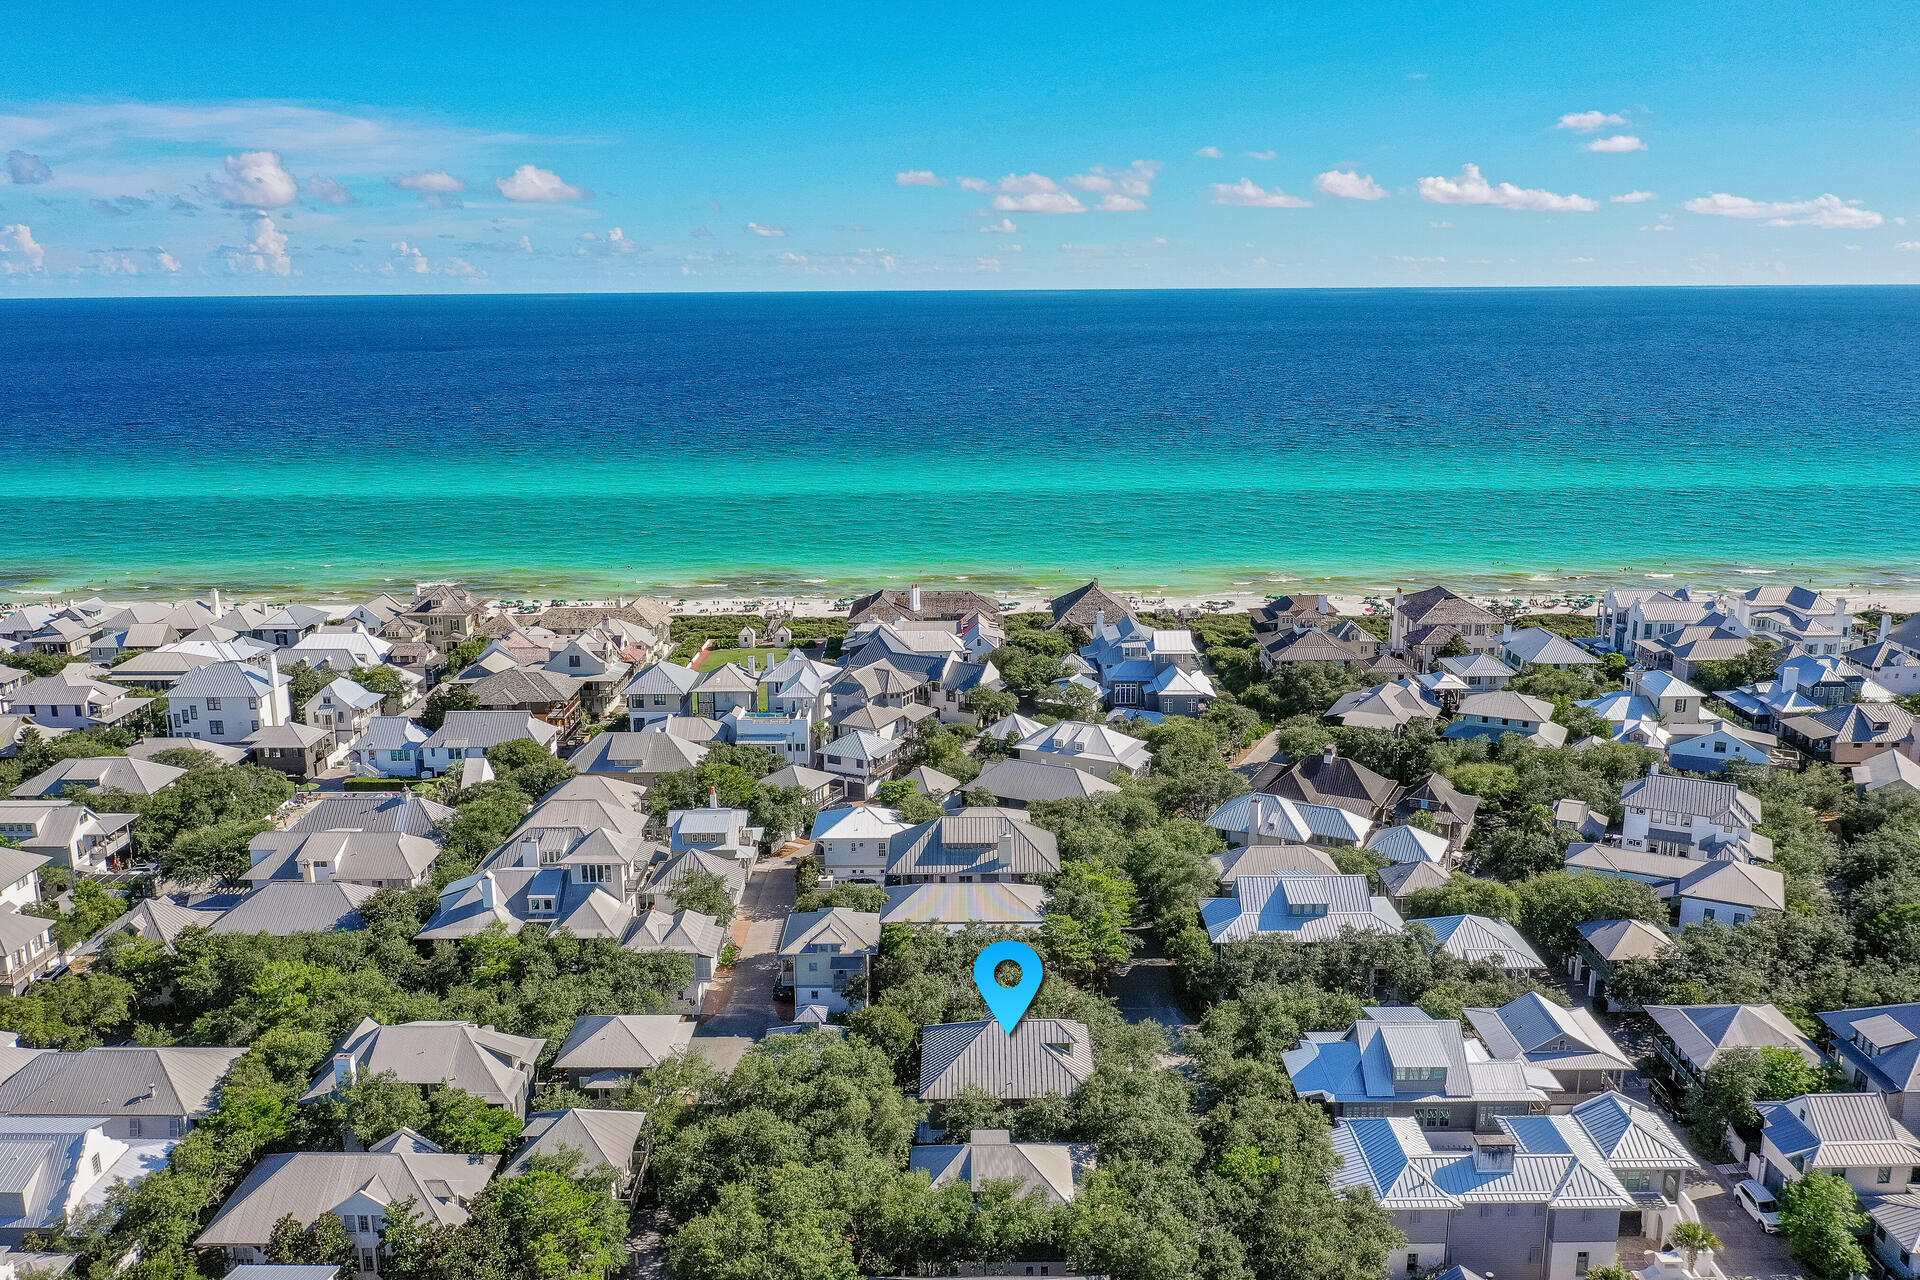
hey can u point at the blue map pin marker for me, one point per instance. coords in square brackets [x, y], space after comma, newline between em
[1008, 1004]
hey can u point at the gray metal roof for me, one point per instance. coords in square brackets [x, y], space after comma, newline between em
[402, 811]
[286, 907]
[1043, 1056]
[129, 1081]
[974, 842]
[601, 1137]
[625, 1042]
[306, 1184]
[1702, 1032]
[1051, 1168]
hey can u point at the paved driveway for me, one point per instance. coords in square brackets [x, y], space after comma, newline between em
[742, 1008]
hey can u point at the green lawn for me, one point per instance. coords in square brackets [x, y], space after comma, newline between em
[721, 657]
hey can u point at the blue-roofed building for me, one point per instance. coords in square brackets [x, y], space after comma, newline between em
[1544, 1198]
[1850, 1135]
[1879, 1049]
[1400, 1062]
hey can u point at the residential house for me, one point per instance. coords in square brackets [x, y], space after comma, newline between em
[1054, 1170]
[602, 1139]
[1850, 735]
[450, 614]
[1717, 890]
[714, 829]
[731, 871]
[1495, 715]
[1689, 1038]
[70, 834]
[287, 626]
[64, 637]
[132, 1092]
[1849, 1135]
[1451, 810]
[1569, 1043]
[19, 877]
[1687, 649]
[229, 702]
[27, 952]
[491, 1065]
[1879, 1050]
[282, 908]
[919, 604]
[1096, 748]
[356, 1187]
[1042, 1057]
[1340, 644]
[1389, 707]
[1894, 667]
[1485, 940]
[1409, 844]
[972, 846]
[1579, 817]
[1087, 606]
[824, 952]
[375, 859]
[1888, 769]
[604, 1051]
[1529, 648]
[1606, 944]
[1416, 622]
[297, 750]
[1259, 818]
[137, 637]
[389, 747]
[854, 843]
[689, 933]
[1400, 1062]
[1404, 879]
[1019, 784]
[468, 735]
[1279, 613]
[61, 1168]
[1304, 907]
[726, 688]
[73, 699]
[963, 906]
[1328, 778]
[641, 757]
[1690, 817]
[1722, 742]
[400, 811]
[1895, 1237]
[789, 737]
[549, 696]
[1479, 672]
[93, 774]
[862, 760]
[344, 709]
[1273, 860]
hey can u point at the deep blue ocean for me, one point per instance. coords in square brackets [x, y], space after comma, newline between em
[832, 442]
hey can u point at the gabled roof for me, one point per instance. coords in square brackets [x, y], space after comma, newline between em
[1404, 878]
[1630, 1135]
[286, 907]
[1325, 778]
[1884, 1040]
[96, 773]
[1839, 1131]
[1720, 802]
[1437, 605]
[225, 680]
[390, 733]
[1408, 844]
[1617, 940]
[1550, 1162]
[1071, 739]
[1856, 724]
[1505, 704]
[858, 822]
[403, 812]
[483, 729]
[1008, 904]
[1537, 644]
[643, 753]
[601, 1137]
[491, 1065]
[1257, 817]
[853, 932]
[1472, 938]
[1546, 1034]
[306, 1184]
[1368, 1060]
[623, 1042]
[1308, 908]
[686, 932]
[1739, 884]
[1043, 1056]
[129, 1081]
[1889, 768]
[974, 842]
[991, 1155]
[1275, 860]
[1081, 605]
[669, 678]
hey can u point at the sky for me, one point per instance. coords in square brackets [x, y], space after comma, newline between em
[304, 148]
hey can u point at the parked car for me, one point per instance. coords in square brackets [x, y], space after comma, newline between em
[1759, 1204]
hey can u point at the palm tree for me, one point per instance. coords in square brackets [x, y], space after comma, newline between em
[1692, 1238]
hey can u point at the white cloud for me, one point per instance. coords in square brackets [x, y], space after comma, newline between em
[618, 242]
[22, 252]
[1349, 184]
[1251, 195]
[1634, 197]
[1123, 192]
[1122, 204]
[1442, 225]
[918, 178]
[1055, 201]
[438, 189]
[165, 261]
[975, 184]
[1828, 211]
[1908, 246]
[1004, 227]
[765, 229]
[539, 186]
[411, 257]
[1028, 184]
[1579, 262]
[526, 244]
[1588, 121]
[461, 267]
[257, 179]
[26, 169]
[1208, 153]
[327, 191]
[1261, 155]
[1618, 142]
[1400, 257]
[1663, 223]
[1471, 188]
[987, 264]
[265, 253]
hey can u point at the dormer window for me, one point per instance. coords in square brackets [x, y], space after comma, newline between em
[593, 873]
[539, 906]
[1419, 1075]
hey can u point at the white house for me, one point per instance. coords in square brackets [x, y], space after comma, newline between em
[389, 747]
[854, 842]
[1689, 817]
[466, 735]
[823, 952]
[229, 702]
[343, 709]
[73, 700]
[863, 759]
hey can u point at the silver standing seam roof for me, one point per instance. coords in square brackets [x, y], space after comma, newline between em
[1043, 1056]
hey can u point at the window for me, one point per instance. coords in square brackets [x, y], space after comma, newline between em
[216, 726]
[96, 1162]
[1413, 1263]
[213, 704]
[593, 873]
[133, 1126]
[573, 659]
[1707, 914]
[1418, 1075]
[361, 1223]
[540, 906]
[366, 1260]
[1433, 1117]
[1913, 1174]
[1720, 747]
[1882, 1176]
[1580, 1263]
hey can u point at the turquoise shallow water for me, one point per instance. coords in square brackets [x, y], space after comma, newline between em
[831, 443]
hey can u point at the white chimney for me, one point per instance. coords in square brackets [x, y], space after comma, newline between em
[1789, 678]
[1006, 847]
[216, 602]
[913, 597]
[1099, 622]
[1653, 770]
[529, 853]
[345, 1071]
[489, 900]
[713, 797]
[1886, 626]
[1327, 753]
[273, 690]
